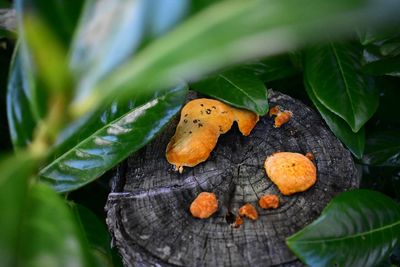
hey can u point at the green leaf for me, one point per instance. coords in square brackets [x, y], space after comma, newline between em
[37, 228]
[353, 141]
[50, 64]
[109, 145]
[230, 32]
[45, 31]
[371, 35]
[15, 172]
[357, 228]
[102, 42]
[383, 149]
[333, 73]
[238, 87]
[273, 68]
[96, 235]
[49, 227]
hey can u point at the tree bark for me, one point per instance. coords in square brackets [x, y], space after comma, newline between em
[148, 208]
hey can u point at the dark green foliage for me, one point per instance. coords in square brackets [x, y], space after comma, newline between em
[354, 221]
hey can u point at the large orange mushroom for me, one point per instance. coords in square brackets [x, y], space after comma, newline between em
[202, 121]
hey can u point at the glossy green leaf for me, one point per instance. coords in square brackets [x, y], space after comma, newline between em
[109, 145]
[238, 87]
[383, 149]
[21, 118]
[37, 228]
[354, 141]
[333, 73]
[357, 228]
[102, 42]
[96, 234]
[231, 32]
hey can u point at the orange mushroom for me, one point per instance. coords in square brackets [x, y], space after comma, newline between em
[202, 121]
[282, 117]
[291, 172]
[269, 202]
[238, 222]
[204, 205]
[249, 211]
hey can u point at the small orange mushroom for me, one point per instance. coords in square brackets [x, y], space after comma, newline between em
[282, 117]
[238, 222]
[249, 211]
[291, 172]
[269, 202]
[202, 121]
[204, 205]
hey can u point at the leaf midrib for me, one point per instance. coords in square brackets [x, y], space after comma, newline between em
[340, 67]
[348, 237]
[240, 89]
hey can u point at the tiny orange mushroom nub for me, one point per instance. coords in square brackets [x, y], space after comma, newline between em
[291, 172]
[269, 202]
[202, 121]
[249, 211]
[204, 205]
[238, 222]
[282, 117]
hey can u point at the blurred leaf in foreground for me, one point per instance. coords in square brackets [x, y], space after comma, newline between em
[36, 227]
[231, 32]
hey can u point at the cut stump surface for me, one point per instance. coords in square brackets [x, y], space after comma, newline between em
[148, 208]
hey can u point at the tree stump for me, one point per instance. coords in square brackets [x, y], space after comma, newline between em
[148, 208]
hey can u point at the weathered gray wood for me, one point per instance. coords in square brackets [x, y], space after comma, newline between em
[148, 209]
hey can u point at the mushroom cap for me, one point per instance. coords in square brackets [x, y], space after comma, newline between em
[291, 172]
[202, 121]
[204, 205]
